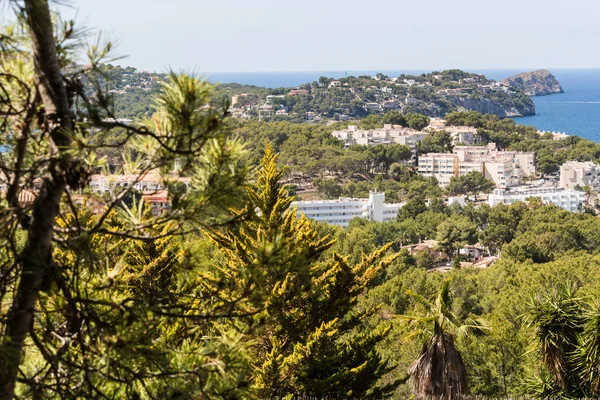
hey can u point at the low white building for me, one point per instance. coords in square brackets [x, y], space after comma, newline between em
[466, 135]
[340, 212]
[389, 134]
[576, 173]
[570, 200]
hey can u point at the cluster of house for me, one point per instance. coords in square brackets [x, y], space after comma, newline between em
[389, 134]
[151, 184]
[505, 168]
[388, 94]
[573, 176]
[492, 87]
[475, 254]
[397, 134]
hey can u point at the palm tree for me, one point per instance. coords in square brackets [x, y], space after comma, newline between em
[564, 347]
[439, 372]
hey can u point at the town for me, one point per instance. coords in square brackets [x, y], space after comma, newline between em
[432, 94]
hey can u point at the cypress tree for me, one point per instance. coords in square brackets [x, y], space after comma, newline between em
[308, 336]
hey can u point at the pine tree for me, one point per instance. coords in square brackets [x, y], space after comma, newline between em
[305, 326]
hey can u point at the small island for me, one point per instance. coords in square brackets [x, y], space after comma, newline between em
[535, 83]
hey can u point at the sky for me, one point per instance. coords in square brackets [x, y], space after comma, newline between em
[330, 35]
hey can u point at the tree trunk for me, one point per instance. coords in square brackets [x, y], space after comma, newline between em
[36, 257]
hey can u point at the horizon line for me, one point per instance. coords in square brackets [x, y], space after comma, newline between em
[398, 70]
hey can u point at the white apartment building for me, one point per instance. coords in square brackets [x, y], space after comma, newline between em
[442, 166]
[570, 200]
[389, 134]
[340, 212]
[463, 134]
[576, 173]
[505, 168]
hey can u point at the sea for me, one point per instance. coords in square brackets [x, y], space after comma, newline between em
[575, 112]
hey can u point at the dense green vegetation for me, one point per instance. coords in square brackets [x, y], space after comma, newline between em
[228, 294]
[541, 248]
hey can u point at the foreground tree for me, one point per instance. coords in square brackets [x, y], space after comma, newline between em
[63, 323]
[567, 341]
[439, 372]
[310, 339]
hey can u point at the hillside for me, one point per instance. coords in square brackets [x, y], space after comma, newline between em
[535, 83]
[433, 94]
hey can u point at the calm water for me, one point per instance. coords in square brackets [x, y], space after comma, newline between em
[576, 112]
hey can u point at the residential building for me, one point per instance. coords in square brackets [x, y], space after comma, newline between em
[265, 111]
[147, 182]
[429, 247]
[463, 134]
[391, 104]
[159, 201]
[372, 106]
[568, 199]
[442, 166]
[298, 92]
[576, 173]
[505, 168]
[270, 97]
[472, 252]
[389, 134]
[466, 135]
[340, 212]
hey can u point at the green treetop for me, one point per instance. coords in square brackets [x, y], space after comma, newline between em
[302, 299]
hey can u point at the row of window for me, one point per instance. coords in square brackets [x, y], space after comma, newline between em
[317, 208]
[348, 215]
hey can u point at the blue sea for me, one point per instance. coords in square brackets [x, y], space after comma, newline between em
[575, 112]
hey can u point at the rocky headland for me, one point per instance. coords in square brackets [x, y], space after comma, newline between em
[535, 83]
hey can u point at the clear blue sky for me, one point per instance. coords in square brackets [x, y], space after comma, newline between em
[319, 35]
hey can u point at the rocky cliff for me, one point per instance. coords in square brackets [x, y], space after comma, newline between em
[503, 109]
[535, 83]
[502, 105]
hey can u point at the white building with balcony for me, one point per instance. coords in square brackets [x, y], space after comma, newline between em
[570, 200]
[340, 212]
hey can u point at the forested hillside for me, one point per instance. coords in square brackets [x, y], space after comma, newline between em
[433, 94]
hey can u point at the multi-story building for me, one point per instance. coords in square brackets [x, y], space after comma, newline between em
[442, 166]
[340, 212]
[575, 173]
[505, 168]
[389, 134]
[570, 200]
